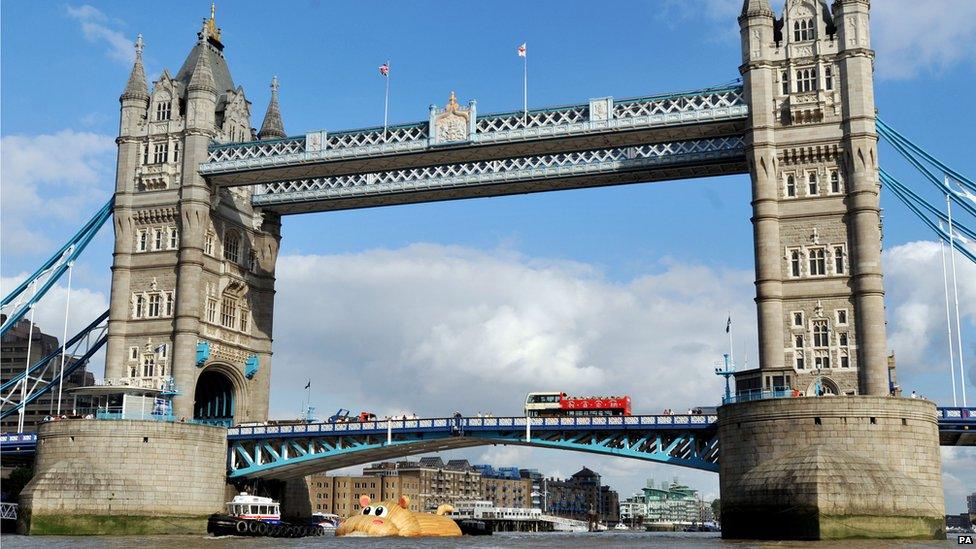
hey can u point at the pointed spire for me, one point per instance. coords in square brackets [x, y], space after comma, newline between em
[272, 127]
[136, 88]
[756, 7]
[202, 77]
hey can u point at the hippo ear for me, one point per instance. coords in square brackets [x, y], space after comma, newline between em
[364, 501]
[404, 502]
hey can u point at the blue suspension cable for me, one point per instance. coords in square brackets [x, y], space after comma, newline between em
[59, 263]
[935, 180]
[54, 258]
[888, 179]
[55, 353]
[68, 369]
[942, 234]
[893, 135]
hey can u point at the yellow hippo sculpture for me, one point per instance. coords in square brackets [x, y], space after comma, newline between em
[394, 518]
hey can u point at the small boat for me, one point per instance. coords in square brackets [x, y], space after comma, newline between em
[249, 515]
[327, 521]
[621, 526]
[472, 527]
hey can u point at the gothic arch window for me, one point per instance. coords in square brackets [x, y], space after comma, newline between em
[818, 261]
[821, 334]
[806, 79]
[153, 304]
[791, 186]
[803, 30]
[829, 77]
[164, 110]
[160, 153]
[232, 246]
[208, 243]
[143, 240]
[834, 181]
[796, 261]
[812, 187]
[148, 365]
[228, 312]
[839, 261]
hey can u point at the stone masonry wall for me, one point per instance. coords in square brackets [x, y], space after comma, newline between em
[831, 467]
[126, 469]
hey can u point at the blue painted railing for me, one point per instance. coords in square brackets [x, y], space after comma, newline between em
[694, 421]
[758, 394]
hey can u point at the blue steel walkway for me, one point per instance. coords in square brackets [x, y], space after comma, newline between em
[293, 451]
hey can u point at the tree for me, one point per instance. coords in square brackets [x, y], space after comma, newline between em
[19, 477]
[717, 509]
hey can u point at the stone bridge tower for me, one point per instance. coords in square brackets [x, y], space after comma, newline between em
[193, 270]
[819, 468]
[812, 151]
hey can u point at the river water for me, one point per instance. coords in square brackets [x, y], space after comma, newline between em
[601, 540]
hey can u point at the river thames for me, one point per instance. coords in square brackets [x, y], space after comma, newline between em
[604, 540]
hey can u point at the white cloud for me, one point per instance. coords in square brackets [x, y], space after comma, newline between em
[916, 307]
[50, 178]
[958, 476]
[916, 37]
[431, 329]
[85, 306]
[96, 27]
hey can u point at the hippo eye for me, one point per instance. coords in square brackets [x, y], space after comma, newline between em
[381, 511]
[366, 510]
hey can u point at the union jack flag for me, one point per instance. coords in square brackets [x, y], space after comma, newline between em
[521, 50]
[385, 69]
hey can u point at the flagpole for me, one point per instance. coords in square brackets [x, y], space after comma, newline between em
[952, 359]
[386, 98]
[955, 293]
[525, 87]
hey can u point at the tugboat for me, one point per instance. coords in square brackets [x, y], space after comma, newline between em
[258, 516]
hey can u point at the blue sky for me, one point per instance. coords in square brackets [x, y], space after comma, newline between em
[680, 251]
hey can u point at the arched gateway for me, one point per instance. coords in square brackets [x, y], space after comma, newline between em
[214, 398]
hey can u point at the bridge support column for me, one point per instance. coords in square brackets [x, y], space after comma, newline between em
[124, 477]
[831, 468]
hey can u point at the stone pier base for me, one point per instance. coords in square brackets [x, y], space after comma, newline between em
[831, 468]
[124, 477]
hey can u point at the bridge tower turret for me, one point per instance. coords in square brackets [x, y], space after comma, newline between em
[193, 271]
[816, 217]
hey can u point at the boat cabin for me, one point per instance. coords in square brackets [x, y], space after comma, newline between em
[254, 507]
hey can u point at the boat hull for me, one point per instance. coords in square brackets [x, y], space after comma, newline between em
[227, 525]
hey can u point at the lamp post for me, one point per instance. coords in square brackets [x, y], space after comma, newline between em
[727, 371]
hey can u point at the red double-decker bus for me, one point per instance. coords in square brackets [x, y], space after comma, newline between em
[560, 405]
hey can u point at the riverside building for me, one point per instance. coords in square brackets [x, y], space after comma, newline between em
[13, 361]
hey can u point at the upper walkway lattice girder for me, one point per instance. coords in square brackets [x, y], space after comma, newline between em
[694, 115]
[618, 166]
[300, 166]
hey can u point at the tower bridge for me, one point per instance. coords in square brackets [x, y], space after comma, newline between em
[200, 199]
[197, 211]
